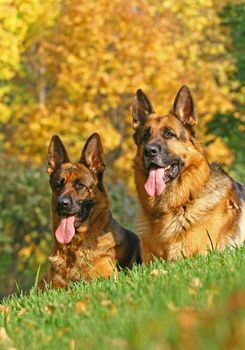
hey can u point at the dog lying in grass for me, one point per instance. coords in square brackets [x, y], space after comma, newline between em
[88, 242]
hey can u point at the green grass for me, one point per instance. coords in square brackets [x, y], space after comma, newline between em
[191, 304]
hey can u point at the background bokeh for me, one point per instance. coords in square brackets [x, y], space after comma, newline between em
[71, 67]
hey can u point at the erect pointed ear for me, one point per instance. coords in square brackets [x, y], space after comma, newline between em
[184, 107]
[57, 154]
[141, 109]
[93, 155]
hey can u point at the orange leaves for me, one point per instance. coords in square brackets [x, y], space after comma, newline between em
[5, 341]
[81, 306]
[78, 71]
[157, 272]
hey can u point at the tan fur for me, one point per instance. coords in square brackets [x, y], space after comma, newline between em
[92, 252]
[89, 257]
[99, 243]
[198, 211]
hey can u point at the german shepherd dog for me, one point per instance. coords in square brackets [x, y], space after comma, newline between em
[187, 206]
[88, 241]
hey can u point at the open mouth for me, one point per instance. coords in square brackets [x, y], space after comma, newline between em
[170, 171]
[66, 229]
[69, 222]
[77, 221]
[159, 176]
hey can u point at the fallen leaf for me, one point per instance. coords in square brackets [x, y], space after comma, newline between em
[154, 272]
[81, 306]
[188, 318]
[117, 343]
[21, 312]
[4, 309]
[72, 344]
[129, 299]
[195, 283]
[106, 302]
[188, 321]
[114, 310]
[30, 325]
[172, 307]
[5, 341]
[237, 301]
[50, 309]
[193, 292]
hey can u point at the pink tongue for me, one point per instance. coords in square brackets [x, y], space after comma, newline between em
[65, 230]
[155, 185]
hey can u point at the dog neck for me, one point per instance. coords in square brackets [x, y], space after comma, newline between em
[97, 220]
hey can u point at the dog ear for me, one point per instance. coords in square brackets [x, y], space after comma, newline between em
[93, 155]
[141, 109]
[57, 154]
[184, 107]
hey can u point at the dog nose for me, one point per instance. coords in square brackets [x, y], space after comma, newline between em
[64, 202]
[152, 150]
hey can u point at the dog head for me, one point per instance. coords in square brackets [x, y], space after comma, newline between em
[76, 187]
[166, 144]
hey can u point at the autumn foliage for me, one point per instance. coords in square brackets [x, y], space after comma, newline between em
[73, 67]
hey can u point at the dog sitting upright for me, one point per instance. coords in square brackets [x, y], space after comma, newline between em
[88, 241]
[187, 206]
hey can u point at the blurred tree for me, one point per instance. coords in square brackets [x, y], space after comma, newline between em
[80, 68]
[23, 24]
[25, 235]
[231, 126]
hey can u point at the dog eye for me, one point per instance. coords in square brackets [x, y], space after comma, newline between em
[168, 134]
[79, 185]
[146, 135]
[59, 184]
